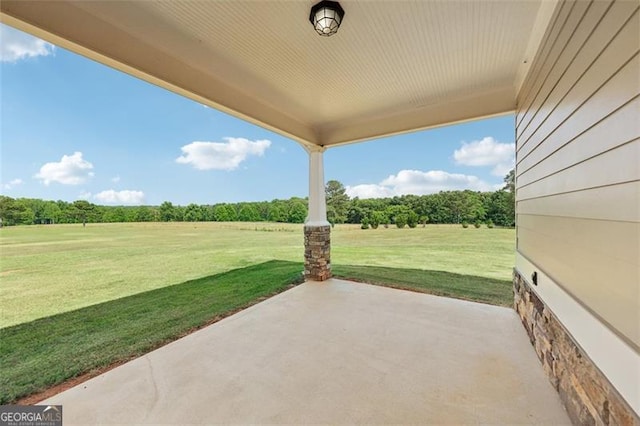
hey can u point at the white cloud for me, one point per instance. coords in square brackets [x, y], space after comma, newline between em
[16, 45]
[503, 169]
[221, 155]
[84, 195]
[115, 179]
[120, 197]
[12, 183]
[487, 152]
[418, 183]
[71, 170]
[371, 190]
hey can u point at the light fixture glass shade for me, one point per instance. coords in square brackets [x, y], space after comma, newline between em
[326, 17]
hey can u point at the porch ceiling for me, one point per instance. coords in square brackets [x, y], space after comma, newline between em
[394, 66]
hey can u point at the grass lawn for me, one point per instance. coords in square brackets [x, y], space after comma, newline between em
[47, 351]
[440, 283]
[74, 300]
[479, 252]
[47, 270]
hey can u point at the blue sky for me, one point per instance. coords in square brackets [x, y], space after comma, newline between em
[75, 129]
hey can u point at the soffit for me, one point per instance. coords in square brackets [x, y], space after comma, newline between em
[394, 66]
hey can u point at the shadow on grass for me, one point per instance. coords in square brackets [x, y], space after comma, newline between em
[37, 355]
[41, 354]
[440, 283]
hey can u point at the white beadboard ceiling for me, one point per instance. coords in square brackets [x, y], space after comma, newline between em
[394, 66]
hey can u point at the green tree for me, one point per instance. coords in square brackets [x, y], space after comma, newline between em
[8, 210]
[356, 213]
[412, 219]
[365, 223]
[66, 214]
[52, 212]
[465, 205]
[23, 213]
[500, 209]
[225, 213]
[193, 213]
[208, 213]
[178, 213]
[436, 207]
[401, 219]
[34, 210]
[232, 212]
[114, 214]
[144, 214]
[337, 202]
[167, 212]
[262, 208]
[276, 214]
[510, 181]
[248, 213]
[82, 211]
[220, 213]
[397, 211]
[510, 187]
[297, 212]
[376, 218]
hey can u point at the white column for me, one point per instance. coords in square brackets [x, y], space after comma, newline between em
[317, 202]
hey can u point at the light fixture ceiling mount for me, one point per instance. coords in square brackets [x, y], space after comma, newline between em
[326, 17]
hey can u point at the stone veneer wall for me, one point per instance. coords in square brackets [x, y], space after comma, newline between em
[587, 395]
[317, 253]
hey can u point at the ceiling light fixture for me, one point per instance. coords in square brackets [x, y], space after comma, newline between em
[326, 17]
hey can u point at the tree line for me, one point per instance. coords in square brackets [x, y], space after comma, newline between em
[408, 210]
[447, 207]
[27, 211]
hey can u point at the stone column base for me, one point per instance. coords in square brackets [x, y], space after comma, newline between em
[317, 253]
[586, 393]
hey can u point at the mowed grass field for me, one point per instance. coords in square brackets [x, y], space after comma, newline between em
[75, 300]
[50, 269]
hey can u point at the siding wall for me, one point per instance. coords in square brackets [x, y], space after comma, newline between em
[578, 160]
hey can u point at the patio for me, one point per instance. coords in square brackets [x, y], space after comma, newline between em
[333, 352]
[339, 352]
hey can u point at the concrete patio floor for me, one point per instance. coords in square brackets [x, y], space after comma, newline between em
[334, 352]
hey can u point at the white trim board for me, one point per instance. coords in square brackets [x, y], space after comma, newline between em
[613, 356]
